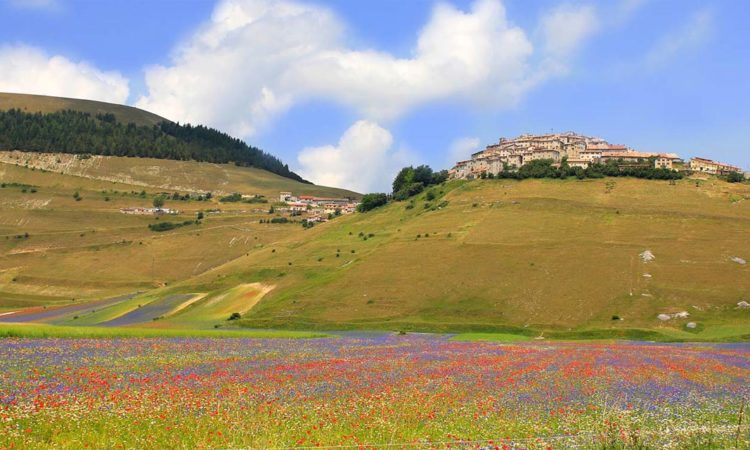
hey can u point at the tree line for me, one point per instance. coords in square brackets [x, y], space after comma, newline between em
[545, 168]
[78, 132]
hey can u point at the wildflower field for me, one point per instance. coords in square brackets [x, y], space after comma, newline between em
[365, 391]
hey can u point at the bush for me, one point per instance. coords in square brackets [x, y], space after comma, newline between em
[231, 198]
[235, 316]
[166, 226]
[372, 201]
[736, 177]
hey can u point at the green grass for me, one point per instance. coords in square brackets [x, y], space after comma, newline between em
[52, 331]
[491, 337]
[520, 258]
[559, 257]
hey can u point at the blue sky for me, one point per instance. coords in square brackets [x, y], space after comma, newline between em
[346, 91]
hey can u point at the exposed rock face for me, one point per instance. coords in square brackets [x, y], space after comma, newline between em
[743, 305]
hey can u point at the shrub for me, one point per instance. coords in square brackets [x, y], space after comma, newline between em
[235, 316]
[231, 198]
[736, 177]
[372, 201]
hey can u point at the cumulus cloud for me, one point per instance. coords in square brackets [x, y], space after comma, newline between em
[363, 160]
[256, 58]
[29, 70]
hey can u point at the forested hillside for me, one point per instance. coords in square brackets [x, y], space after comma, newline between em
[102, 134]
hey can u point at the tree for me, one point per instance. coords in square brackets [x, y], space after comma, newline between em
[410, 181]
[404, 178]
[159, 201]
[200, 215]
[372, 201]
[736, 177]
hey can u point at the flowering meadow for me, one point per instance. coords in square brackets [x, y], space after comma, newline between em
[370, 391]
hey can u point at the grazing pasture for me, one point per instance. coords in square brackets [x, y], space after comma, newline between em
[368, 390]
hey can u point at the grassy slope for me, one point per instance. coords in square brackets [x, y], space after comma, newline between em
[185, 176]
[539, 255]
[87, 249]
[46, 104]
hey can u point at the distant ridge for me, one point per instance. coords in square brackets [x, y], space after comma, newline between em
[46, 104]
[44, 124]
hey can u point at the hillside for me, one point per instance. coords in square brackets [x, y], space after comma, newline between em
[529, 257]
[54, 248]
[107, 132]
[562, 259]
[183, 176]
[46, 104]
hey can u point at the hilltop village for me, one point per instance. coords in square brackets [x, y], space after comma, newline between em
[575, 150]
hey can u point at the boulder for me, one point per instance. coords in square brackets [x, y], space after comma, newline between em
[647, 256]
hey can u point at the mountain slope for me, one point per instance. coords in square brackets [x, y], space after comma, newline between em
[54, 248]
[533, 255]
[107, 133]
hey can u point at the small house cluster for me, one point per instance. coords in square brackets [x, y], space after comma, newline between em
[712, 167]
[149, 211]
[317, 209]
[577, 151]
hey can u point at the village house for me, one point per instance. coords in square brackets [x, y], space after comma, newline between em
[711, 167]
[661, 160]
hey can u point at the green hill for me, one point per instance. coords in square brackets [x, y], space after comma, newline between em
[566, 258]
[46, 104]
[559, 258]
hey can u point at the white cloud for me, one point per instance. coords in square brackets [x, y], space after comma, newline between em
[363, 160]
[29, 70]
[462, 149]
[697, 30]
[256, 58]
